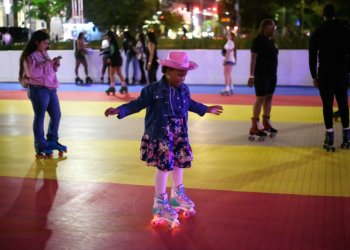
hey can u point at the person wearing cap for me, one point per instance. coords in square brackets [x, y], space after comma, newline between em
[329, 55]
[165, 144]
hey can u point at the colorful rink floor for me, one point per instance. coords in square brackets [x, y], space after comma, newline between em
[284, 193]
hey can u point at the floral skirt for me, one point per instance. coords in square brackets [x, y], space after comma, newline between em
[173, 150]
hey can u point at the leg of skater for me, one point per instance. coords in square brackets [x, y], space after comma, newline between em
[161, 209]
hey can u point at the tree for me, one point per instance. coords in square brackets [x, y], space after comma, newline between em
[129, 14]
[43, 9]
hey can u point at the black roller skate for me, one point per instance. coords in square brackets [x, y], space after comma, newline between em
[329, 141]
[255, 132]
[78, 81]
[55, 145]
[42, 152]
[346, 139]
[336, 115]
[88, 80]
[268, 128]
[110, 90]
[123, 90]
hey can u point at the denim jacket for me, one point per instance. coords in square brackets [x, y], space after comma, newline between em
[155, 98]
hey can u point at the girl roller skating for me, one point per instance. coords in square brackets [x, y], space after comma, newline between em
[263, 76]
[115, 62]
[165, 143]
[38, 73]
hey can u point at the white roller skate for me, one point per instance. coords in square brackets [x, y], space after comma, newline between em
[180, 202]
[163, 212]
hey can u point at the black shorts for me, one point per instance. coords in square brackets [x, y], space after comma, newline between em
[265, 85]
[116, 61]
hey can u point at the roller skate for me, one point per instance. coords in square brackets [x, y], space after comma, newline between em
[180, 202]
[43, 152]
[328, 141]
[336, 115]
[226, 92]
[346, 139]
[88, 80]
[163, 212]
[123, 90]
[78, 81]
[255, 132]
[110, 90]
[268, 128]
[55, 145]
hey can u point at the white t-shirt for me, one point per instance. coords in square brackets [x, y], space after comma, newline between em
[229, 46]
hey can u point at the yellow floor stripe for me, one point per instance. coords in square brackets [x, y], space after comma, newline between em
[286, 170]
[231, 112]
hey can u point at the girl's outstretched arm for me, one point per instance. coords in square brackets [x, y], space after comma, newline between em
[216, 109]
[111, 111]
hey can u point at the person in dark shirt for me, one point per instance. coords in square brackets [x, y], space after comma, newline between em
[329, 53]
[263, 76]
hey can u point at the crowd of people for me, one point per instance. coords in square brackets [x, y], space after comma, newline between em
[165, 144]
[140, 54]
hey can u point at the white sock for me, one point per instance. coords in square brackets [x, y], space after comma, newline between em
[160, 181]
[177, 176]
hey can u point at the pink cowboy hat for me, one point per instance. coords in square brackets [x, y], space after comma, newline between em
[178, 60]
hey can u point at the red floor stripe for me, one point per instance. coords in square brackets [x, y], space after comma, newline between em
[241, 99]
[50, 214]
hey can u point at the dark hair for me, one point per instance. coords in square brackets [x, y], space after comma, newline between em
[81, 35]
[329, 11]
[264, 23]
[113, 38]
[164, 69]
[141, 38]
[31, 46]
[152, 37]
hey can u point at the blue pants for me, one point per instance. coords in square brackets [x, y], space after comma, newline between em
[135, 67]
[44, 100]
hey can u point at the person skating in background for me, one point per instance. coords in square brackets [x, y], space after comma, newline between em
[141, 55]
[230, 59]
[129, 43]
[165, 144]
[104, 52]
[263, 76]
[152, 57]
[115, 62]
[329, 55]
[38, 73]
[79, 53]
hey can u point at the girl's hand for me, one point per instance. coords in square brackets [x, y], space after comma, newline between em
[250, 82]
[111, 111]
[216, 110]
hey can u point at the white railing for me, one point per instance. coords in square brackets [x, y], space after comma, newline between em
[293, 67]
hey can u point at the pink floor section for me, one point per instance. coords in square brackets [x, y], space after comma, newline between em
[51, 214]
[242, 99]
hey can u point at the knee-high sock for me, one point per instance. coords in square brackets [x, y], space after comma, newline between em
[160, 181]
[177, 176]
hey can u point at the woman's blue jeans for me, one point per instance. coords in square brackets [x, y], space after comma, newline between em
[44, 100]
[135, 67]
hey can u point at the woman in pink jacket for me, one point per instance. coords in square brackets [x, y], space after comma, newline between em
[38, 73]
